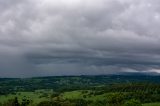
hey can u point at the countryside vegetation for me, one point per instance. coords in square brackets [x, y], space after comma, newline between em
[109, 90]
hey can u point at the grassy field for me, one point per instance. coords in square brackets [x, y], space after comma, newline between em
[37, 96]
[152, 104]
[83, 95]
[45, 95]
[42, 95]
[72, 95]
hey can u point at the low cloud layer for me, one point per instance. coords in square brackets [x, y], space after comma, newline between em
[78, 37]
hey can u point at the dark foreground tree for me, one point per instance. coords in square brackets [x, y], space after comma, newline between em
[116, 99]
[12, 102]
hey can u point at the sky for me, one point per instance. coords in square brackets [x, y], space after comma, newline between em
[79, 37]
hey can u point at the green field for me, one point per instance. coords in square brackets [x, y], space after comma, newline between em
[45, 95]
[152, 104]
[36, 97]
[42, 95]
[86, 94]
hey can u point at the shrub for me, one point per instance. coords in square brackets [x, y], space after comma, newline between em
[132, 102]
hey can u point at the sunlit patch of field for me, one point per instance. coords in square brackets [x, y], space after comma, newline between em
[83, 94]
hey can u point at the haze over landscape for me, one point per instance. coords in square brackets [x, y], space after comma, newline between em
[79, 37]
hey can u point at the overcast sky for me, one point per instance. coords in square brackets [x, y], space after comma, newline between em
[78, 37]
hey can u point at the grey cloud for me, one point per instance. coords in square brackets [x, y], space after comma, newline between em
[46, 37]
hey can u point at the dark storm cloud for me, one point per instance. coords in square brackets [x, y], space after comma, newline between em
[59, 37]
